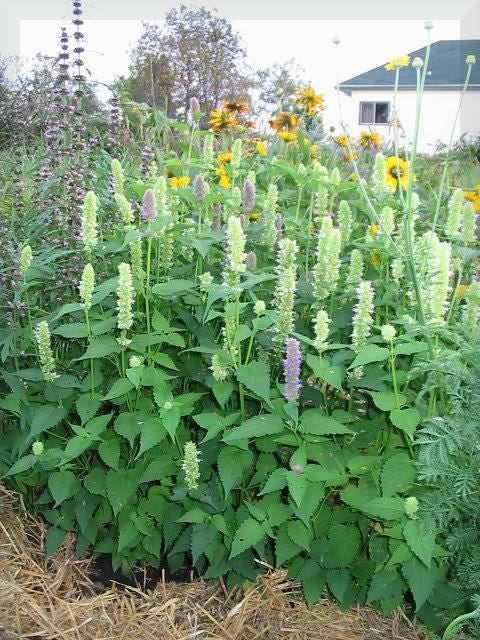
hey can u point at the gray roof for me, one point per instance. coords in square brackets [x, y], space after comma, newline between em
[446, 68]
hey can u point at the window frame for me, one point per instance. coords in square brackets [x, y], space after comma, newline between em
[374, 102]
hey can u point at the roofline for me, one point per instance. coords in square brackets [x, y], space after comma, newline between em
[405, 86]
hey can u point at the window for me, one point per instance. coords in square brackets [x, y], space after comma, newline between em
[374, 112]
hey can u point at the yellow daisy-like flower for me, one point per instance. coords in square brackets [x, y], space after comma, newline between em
[375, 259]
[254, 216]
[285, 120]
[348, 156]
[370, 139]
[373, 229]
[462, 290]
[222, 120]
[225, 157]
[287, 136]
[397, 63]
[353, 177]
[310, 101]
[235, 106]
[261, 149]
[180, 182]
[397, 172]
[473, 197]
[342, 141]
[225, 182]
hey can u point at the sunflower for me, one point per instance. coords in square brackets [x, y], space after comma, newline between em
[180, 182]
[397, 63]
[225, 157]
[373, 229]
[375, 259]
[287, 136]
[254, 216]
[310, 101]
[353, 177]
[349, 156]
[225, 182]
[397, 172]
[222, 120]
[285, 120]
[235, 106]
[342, 141]
[370, 140]
[473, 197]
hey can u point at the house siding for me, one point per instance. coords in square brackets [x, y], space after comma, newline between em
[439, 108]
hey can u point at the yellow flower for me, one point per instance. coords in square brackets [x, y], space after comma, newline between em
[370, 139]
[310, 101]
[342, 141]
[348, 156]
[397, 172]
[180, 182]
[397, 63]
[473, 197]
[285, 120]
[222, 120]
[225, 157]
[353, 177]
[287, 136]
[261, 149]
[254, 216]
[235, 106]
[375, 259]
[225, 182]
[373, 229]
[462, 290]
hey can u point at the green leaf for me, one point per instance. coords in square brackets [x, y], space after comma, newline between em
[299, 534]
[194, 516]
[119, 388]
[384, 584]
[213, 423]
[101, 347]
[172, 287]
[248, 534]
[222, 392]
[63, 485]
[95, 482]
[164, 360]
[120, 487]
[256, 377]
[276, 481]
[386, 401]
[419, 542]
[409, 348]
[390, 508]
[285, 547]
[407, 420]
[203, 535]
[398, 474]
[297, 486]
[331, 374]
[338, 581]
[315, 422]
[129, 424]
[152, 433]
[109, 451]
[263, 425]
[87, 407]
[232, 463]
[54, 540]
[171, 420]
[313, 589]
[72, 330]
[127, 534]
[24, 464]
[370, 353]
[420, 579]
[46, 417]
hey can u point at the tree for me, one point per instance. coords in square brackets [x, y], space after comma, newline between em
[195, 54]
[277, 85]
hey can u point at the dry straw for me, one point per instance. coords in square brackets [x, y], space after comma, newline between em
[57, 599]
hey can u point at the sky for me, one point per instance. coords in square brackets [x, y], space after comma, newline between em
[364, 45]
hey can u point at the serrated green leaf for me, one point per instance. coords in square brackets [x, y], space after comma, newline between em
[248, 534]
[63, 485]
[120, 487]
[315, 422]
[129, 424]
[420, 579]
[386, 401]
[329, 373]
[172, 287]
[299, 534]
[276, 481]
[420, 542]
[87, 407]
[285, 547]
[398, 474]
[152, 433]
[370, 353]
[203, 535]
[232, 463]
[409, 348]
[109, 451]
[119, 388]
[72, 330]
[384, 584]
[101, 347]
[390, 508]
[297, 486]
[263, 425]
[255, 376]
[313, 589]
[46, 417]
[95, 482]
[24, 464]
[54, 539]
[407, 420]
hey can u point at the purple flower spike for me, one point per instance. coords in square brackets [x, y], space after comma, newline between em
[149, 211]
[291, 369]
[251, 260]
[248, 196]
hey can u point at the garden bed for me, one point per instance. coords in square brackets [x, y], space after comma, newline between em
[57, 598]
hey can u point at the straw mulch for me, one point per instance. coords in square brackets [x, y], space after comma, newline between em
[57, 599]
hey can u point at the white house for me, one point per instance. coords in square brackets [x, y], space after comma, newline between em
[366, 99]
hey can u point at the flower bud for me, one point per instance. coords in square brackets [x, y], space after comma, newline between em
[87, 285]
[149, 209]
[25, 259]
[125, 296]
[190, 465]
